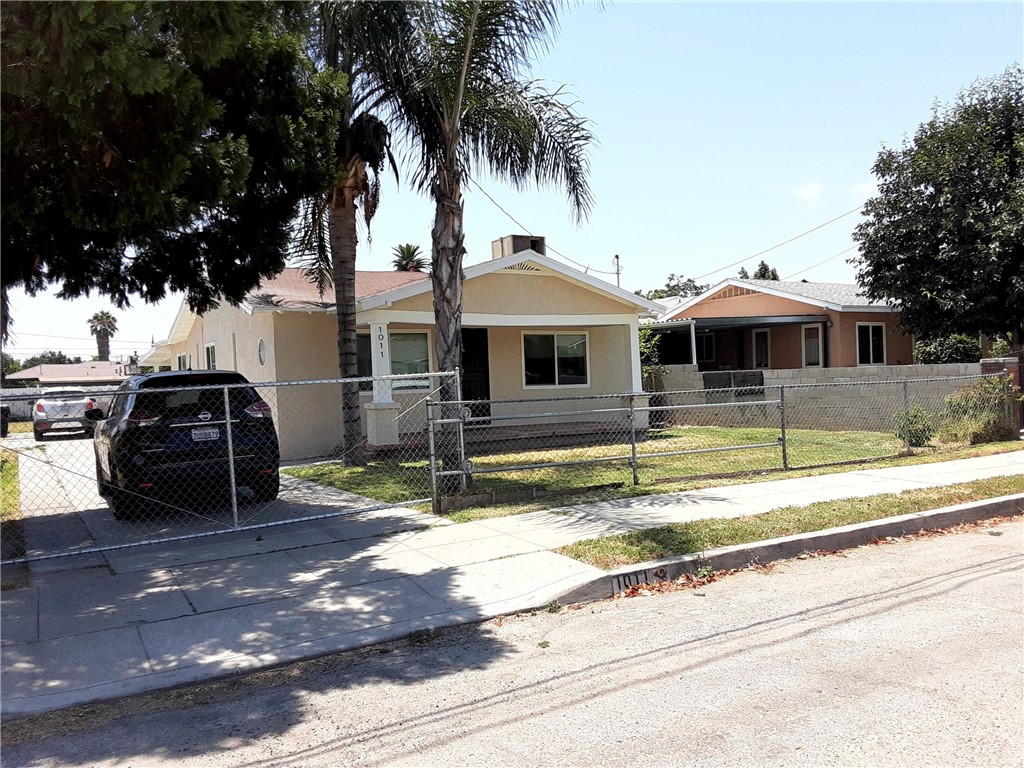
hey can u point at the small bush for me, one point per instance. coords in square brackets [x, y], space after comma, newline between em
[950, 349]
[915, 427]
[977, 413]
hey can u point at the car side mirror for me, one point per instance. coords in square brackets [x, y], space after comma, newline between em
[94, 414]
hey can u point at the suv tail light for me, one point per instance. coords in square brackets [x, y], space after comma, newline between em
[259, 410]
[139, 418]
[90, 405]
[39, 408]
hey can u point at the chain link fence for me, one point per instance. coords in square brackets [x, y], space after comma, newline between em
[513, 450]
[93, 471]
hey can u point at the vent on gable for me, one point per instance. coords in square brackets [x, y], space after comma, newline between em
[523, 267]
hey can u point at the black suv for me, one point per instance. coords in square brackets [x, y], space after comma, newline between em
[168, 432]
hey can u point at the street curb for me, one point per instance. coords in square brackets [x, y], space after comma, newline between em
[830, 539]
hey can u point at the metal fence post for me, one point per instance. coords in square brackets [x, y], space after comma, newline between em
[906, 416]
[231, 457]
[632, 439]
[782, 426]
[435, 501]
[1008, 399]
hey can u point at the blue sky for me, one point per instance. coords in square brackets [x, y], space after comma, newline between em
[723, 129]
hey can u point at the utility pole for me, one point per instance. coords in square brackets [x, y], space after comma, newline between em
[618, 270]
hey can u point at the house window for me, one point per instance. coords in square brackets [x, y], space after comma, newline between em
[812, 338]
[870, 343]
[555, 360]
[705, 347]
[409, 354]
[261, 352]
[211, 357]
[762, 348]
[183, 362]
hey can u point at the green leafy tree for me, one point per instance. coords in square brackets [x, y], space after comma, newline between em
[944, 237]
[676, 285]
[49, 357]
[764, 272]
[471, 107]
[150, 146]
[409, 259]
[103, 326]
[743, 274]
[10, 363]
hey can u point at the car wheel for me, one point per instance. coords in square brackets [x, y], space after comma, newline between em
[103, 489]
[38, 434]
[266, 487]
[124, 506]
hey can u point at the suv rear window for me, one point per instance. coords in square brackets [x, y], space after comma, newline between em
[169, 396]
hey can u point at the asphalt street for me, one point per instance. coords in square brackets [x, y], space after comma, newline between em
[906, 653]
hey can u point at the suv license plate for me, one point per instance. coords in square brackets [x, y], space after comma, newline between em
[210, 433]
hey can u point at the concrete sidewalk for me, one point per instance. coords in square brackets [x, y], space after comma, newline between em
[96, 627]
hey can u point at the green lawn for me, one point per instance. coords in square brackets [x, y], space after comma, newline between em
[396, 481]
[700, 535]
[10, 499]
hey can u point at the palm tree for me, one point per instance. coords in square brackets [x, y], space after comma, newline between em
[408, 258]
[103, 326]
[356, 48]
[469, 105]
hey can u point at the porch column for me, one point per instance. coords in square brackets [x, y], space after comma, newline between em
[381, 414]
[693, 343]
[634, 356]
[380, 361]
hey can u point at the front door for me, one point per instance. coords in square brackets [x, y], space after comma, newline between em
[476, 378]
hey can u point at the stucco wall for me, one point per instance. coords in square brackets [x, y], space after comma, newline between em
[750, 305]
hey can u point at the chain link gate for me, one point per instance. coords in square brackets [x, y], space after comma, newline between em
[198, 461]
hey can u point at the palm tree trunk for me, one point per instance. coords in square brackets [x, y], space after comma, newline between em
[448, 250]
[342, 226]
[103, 346]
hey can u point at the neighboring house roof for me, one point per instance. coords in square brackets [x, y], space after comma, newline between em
[96, 371]
[840, 297]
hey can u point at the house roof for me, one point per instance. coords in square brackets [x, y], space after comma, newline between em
[840, 297]
[97, 371]
[292, 289]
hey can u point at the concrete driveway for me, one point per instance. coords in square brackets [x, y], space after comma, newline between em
[62, 511]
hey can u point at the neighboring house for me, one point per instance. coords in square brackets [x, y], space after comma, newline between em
[532, 328]
[95, 373]
[771, 324]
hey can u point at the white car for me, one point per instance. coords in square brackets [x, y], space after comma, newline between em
[68, 409]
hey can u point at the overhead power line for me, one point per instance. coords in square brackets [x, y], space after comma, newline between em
[525, 229]
[79, 338]
[779, 245]
[808, 269]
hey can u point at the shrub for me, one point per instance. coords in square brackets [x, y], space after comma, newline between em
[977, 413]
[957, 348]
[915, 427]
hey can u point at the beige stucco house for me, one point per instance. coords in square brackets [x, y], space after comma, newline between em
[770, 324]
[533, 328]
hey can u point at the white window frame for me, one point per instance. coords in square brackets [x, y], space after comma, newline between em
[857, 344]
[821, 345]
[556, 385]
[261, 352]
[210, 355]
[768, 348]
[707, 336]
[182, 361]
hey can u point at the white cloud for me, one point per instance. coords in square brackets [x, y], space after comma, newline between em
[810, 192]
[864, 190]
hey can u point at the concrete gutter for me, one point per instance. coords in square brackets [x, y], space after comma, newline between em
[770, 550]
